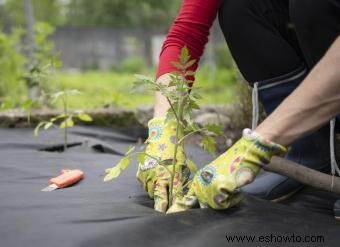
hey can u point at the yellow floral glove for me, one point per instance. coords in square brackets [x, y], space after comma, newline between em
[155, 178]
[216, 184]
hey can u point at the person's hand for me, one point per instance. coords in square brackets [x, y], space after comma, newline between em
[156, 178]
[216, 184]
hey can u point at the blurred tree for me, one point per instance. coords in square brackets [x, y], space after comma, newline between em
[11, 65]
[155, 14]
[50, 11]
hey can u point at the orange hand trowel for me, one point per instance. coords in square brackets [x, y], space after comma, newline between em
[66, 178]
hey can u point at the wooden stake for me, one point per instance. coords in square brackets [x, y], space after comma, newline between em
[304, 174]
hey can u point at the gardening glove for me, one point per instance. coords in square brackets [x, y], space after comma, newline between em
[216, 185]
[156, 178]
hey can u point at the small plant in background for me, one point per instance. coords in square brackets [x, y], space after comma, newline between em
[182, 99]
[6, 104]
[40, 71]
[28, 105]
[12, 63]
[23, 76]
[116, 99]
[64, 120]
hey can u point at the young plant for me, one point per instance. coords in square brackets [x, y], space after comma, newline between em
[28, 105]
[64, 120]
[116, 99]
[182, 100]
[6, 104]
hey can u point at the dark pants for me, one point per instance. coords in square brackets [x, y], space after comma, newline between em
[270, 38]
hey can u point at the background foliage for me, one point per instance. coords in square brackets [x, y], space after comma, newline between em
[110, 88]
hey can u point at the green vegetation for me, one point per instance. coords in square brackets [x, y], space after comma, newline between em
[100, 89]
[19, 74]
[11, 66]
[111, 89]
[25, 81]
[104, 88]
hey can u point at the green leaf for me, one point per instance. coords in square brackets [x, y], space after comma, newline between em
[139, 86]
[184, 55]
[187, 117]
[6, 104]
[141, 158]
[193, 104]
[114, 172]
[36, 130]
[130, 150]
[190, 73]
[35, 104]
[145, 79]
[57, 95]
[170, 116]
[214, 128]
[195, 95]
[27, 104]
[192, 165]
[67, 123]
[55, 60]
[58, 117]
[189, 64]
[84, 117]
[192, 127]
[73, 92]
[172, 83]
[143, 83]
[175, 75]
[209, 144]
[178, 65]
[187, 110]
[48, 125]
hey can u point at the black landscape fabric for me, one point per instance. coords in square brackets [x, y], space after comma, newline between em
[119, 213]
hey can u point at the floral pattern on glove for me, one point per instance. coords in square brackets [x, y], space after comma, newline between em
[155, 178]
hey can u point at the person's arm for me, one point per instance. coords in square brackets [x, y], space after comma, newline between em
[191, 29]
[161, 104]
[314, 102]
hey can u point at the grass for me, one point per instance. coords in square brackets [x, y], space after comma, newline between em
[109, 88]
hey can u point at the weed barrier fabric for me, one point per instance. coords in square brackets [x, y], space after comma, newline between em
[119, 213]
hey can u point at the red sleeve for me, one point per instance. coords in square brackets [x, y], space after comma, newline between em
[191, 29]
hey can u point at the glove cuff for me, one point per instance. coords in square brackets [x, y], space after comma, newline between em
[158, 126]
[262, 144]
[156, 120]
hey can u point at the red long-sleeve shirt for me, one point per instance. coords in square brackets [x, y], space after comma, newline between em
[191, 29]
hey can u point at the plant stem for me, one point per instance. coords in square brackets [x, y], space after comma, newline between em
[173, 109]
[174, 160]
[173, 166]
[29, 116]
[179, 121]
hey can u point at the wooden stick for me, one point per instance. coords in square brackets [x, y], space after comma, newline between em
[304, 174]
